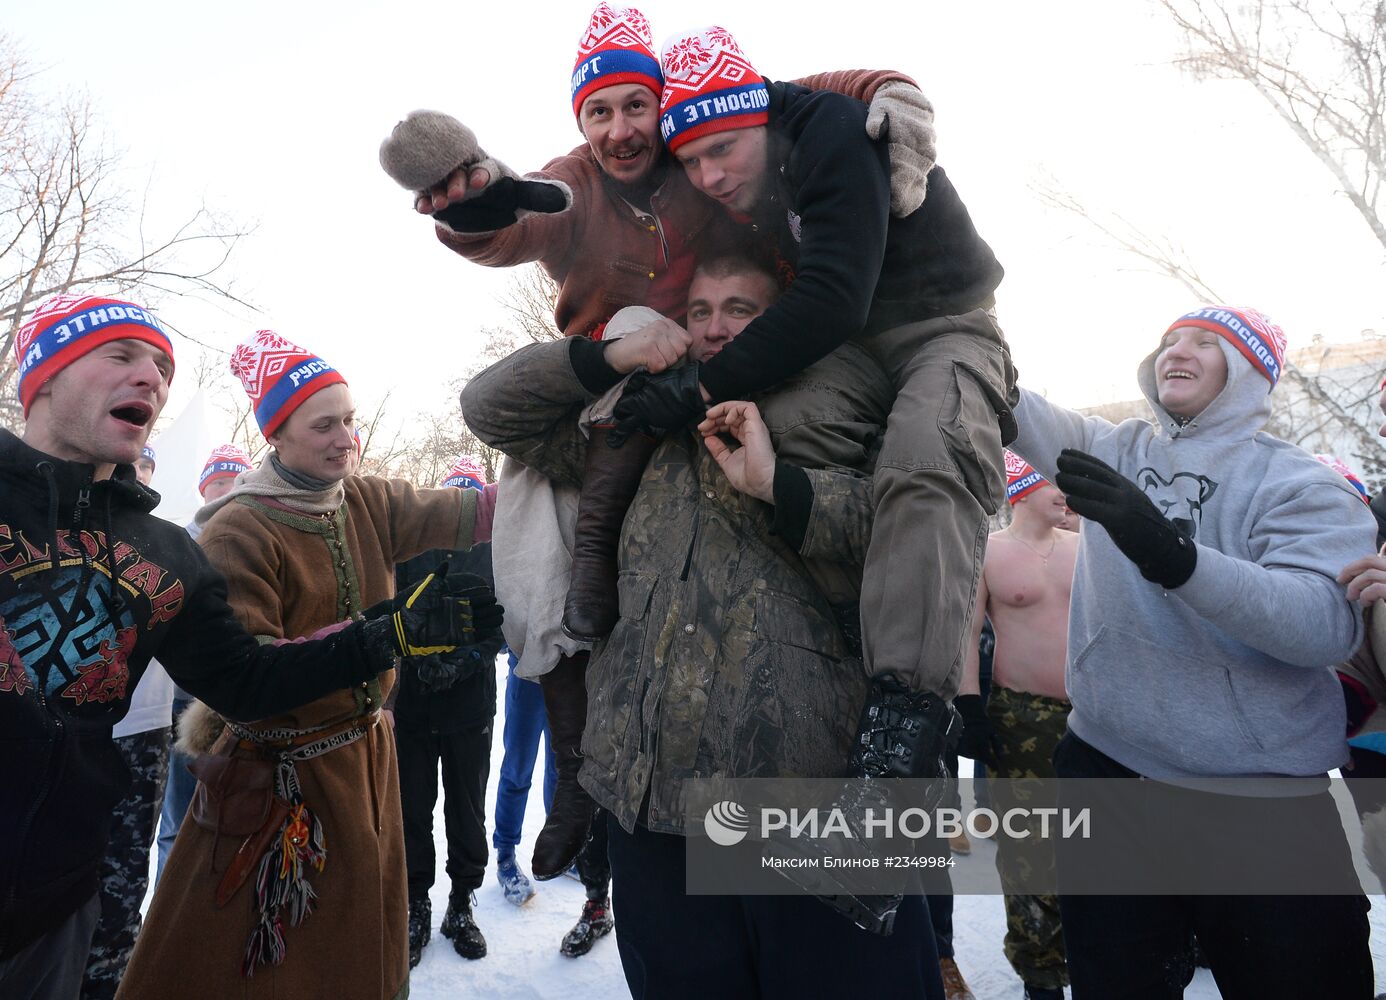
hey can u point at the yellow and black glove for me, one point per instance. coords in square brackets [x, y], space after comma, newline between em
[442, 613]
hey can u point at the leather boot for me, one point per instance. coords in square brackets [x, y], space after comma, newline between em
[569, 820]
[609, 482]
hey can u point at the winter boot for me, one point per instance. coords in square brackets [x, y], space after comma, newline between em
[609, 482]
[1043, 992]
[954, 985]
[960, 844]
[420, 928]
[462, 929]
[901, 734]
[514, 883]
[596, 921]
[569, 820]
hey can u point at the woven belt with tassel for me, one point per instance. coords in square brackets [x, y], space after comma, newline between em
[281, 881]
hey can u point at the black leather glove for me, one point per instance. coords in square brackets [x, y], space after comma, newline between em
[443, 612]
[499, 204]
[1163, 553]
[653, 404]
[977, 734]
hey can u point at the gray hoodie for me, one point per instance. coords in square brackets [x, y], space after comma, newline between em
[1229, 674]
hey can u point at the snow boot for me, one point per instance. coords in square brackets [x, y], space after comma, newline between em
[516, 885]
[596, 921]
[901, 734]
[954, 985]
[609, 482]
[462, 929]
[570, 818]
[420, 928]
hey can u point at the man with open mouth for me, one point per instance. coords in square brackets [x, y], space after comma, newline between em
[92, 586]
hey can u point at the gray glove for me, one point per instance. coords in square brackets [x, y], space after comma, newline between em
[425, 148]
[902, 115]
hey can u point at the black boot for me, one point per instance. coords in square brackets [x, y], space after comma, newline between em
[609, 482]
[596, 921]
[462, 929]
[420, 928]
[902, 734]
[569, 820]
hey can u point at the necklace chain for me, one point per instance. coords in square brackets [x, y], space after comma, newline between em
[1044, 556]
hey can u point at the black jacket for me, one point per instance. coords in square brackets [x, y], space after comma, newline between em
[857, 270]
[74, 641]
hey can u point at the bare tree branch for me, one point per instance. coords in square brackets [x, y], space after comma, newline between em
[64, 227]
[1319, 64]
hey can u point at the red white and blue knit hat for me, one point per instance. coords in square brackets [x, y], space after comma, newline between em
[616, 48]
[227, 460]
[709, 86]
[65, 327]
[1252, 333]
[1339, 466]
[467, 473]
[278, 376]
[1021, 477]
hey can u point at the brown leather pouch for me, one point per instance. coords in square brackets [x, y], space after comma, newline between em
[251, 850]
[234, 794]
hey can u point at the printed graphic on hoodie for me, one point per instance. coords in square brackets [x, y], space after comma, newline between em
[1180, 498]
[71, 633]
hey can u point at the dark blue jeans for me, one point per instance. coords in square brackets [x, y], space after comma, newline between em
[675, 945]
[525, 722]
[1140, 947]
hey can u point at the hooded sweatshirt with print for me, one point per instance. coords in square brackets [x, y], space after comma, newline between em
[1230, 673]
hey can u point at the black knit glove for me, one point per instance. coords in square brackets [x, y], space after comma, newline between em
[440, 614]
[1163, 553]
[499, 204]
[653, 404]
[977, 734]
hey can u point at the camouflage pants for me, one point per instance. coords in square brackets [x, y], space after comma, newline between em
[1027, 728]
[125, 869]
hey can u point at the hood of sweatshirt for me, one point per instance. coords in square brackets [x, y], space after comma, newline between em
[1235, 414]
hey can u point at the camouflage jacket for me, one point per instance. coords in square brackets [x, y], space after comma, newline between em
[726, 660]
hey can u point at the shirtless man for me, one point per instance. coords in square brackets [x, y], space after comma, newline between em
[1024, 590]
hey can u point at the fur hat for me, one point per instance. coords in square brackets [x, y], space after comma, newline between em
[278, 376]
[616, 48]
[709, 86]
[225, 460]
[1021, 478]
[1253, 334]
[65, 327]
[466, 473]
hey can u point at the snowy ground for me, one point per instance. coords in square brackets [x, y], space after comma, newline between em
[523, 962]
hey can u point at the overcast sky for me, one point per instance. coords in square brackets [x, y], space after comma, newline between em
[273, 113]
